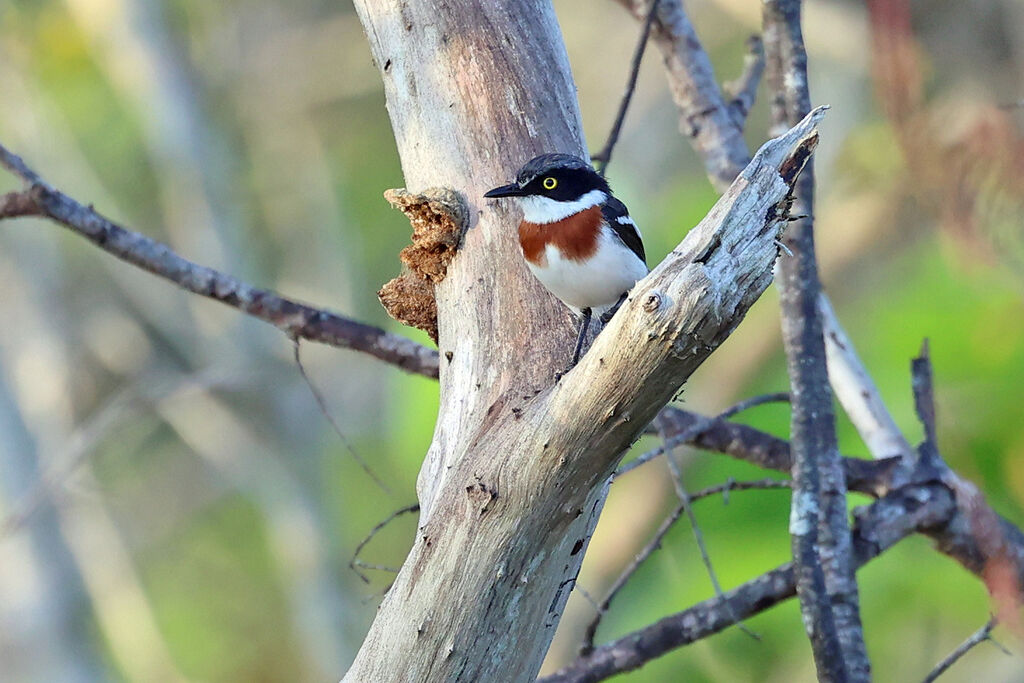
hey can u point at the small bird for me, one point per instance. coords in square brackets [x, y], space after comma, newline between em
[576, 237]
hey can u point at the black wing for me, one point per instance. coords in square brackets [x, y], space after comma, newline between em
[617, 215]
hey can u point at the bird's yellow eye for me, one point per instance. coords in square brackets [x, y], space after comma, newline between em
[550, 183]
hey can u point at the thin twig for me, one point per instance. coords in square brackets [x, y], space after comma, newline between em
[355, 563]
[694, 431]
[587, 596]
[886, 522]
[704, 117]
[655, 544]
[698, 535]
[377, 567]
[322, 404]
[293, 318]
[980, 636]
[602, 608]
[605, 155]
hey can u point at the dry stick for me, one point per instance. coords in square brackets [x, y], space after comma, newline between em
[322, 404]
[698, 535]
[717, 135]
[356, 563]
[695, 430]
[655, 544]
[857, 392]
[980, 636]
[884, 523]
[744, 89]
[929, 507]
[724, 151]
[605, 155]
[819, 527]
[293, 318]
[704, 116]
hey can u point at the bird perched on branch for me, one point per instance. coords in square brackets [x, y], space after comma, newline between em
[576, 237]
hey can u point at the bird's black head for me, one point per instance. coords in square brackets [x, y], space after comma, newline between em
[558, 177]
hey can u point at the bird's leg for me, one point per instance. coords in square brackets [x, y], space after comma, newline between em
[584, 326]
[607, 315]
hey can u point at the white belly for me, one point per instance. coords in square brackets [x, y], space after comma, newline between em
[596, 283]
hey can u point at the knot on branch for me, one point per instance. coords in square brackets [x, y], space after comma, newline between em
[15, 204]
[652, 302]
[439, 217]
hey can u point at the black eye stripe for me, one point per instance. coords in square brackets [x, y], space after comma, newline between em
[571, 183]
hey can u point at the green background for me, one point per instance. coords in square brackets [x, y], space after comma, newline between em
[199, 513]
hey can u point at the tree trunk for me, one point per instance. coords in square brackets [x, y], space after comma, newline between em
[515, 476]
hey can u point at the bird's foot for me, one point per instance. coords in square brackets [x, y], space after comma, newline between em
[607, 315]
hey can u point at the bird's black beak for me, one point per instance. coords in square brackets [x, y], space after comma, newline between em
[512, 190]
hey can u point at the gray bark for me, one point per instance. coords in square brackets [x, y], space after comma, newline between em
[516, 473]
[822, 550]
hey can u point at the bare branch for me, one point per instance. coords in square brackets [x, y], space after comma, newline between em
[873, 478]
[929, 507]
[819, 528]
[878, 529]
[694, 91]
[355, 564]
[502, 511]
[743, 90]
[605, 155]
[693, 431]
[980, 636]
[293, 318]
[857, 392]
[602, 607]
[704, 116]
[655, 544]
[959, 538]
[698, 535]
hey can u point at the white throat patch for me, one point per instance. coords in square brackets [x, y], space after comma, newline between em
[543, 210]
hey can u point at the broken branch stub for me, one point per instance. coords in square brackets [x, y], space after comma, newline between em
[439, 217]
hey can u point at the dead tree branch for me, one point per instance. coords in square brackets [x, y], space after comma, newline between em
[687, 67]
[291, 317]
[355, 564]
[497, 520]
[604, 157]
[684, 499]
[687, 436]
[909, 502]
[857, 392]
[822, 551]
[743, 90]
[705, 118]
[655, 544]
[880, 526]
